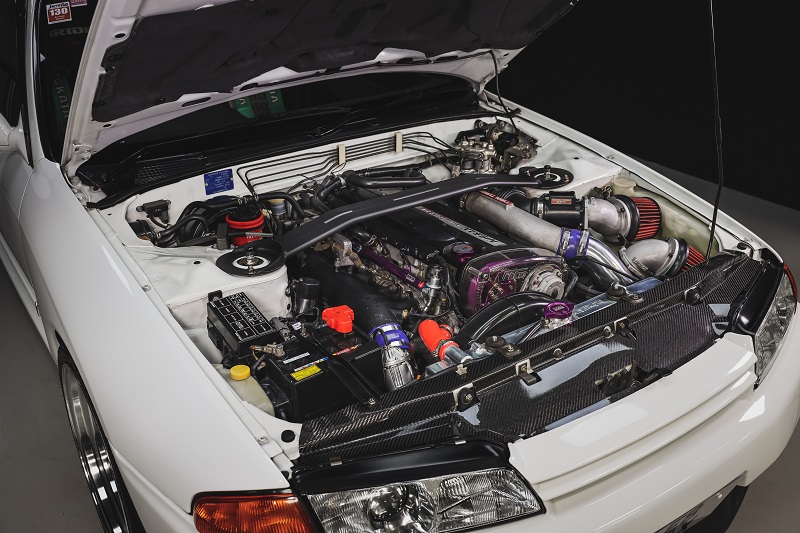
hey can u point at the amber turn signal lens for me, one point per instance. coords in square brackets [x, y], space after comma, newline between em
[272, 513]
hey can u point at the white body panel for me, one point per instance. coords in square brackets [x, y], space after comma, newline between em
[154, 401]
[178, 430]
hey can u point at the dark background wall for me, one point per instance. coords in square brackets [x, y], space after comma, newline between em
[637, 75]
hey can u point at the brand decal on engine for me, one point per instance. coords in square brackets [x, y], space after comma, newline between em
[461, 227]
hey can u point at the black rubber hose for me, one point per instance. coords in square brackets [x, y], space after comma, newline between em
[325, 188]
[377, 180]
[370, 305]
[209, 206]
[297, 211]
[503, 316]
[168, 234]
[211, 239]
[388, 172]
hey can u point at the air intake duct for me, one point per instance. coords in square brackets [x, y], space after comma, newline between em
[618, 219]
[568, 243]
[655, 257]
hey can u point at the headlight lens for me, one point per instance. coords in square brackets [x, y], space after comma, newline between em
[433, 505]
[772, 330]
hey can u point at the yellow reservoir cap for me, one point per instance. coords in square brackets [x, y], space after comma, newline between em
[240, 372]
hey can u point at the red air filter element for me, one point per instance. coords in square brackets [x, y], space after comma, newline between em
[649, 217]
[246, 219]
[693, 259]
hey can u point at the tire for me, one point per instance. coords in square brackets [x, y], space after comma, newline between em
[111, 500]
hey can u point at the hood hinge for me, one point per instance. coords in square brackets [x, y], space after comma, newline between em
[81, 153]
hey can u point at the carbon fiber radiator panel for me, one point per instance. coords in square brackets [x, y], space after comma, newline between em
[669, 333]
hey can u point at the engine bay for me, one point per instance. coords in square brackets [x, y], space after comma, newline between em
[340, 274]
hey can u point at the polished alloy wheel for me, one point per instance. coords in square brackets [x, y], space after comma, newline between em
[100, 472]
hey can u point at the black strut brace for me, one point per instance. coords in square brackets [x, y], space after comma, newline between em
[341, 217]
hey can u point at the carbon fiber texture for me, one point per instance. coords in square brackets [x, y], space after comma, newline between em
[669, 333]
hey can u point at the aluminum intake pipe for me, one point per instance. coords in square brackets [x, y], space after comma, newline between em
[654, 257]
[568, 243]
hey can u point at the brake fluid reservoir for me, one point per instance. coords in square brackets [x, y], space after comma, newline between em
[246, 386]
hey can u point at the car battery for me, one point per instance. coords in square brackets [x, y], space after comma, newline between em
[235, 324]
[316, 384]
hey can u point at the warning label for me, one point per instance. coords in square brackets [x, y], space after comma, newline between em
[60, 12]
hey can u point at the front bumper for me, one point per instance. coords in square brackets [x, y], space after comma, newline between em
[638, 464]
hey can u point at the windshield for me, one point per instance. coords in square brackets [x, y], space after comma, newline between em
[327, 103]
[317, 108]
[273, 121]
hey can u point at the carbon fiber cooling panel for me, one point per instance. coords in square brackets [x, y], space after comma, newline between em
[669, 333]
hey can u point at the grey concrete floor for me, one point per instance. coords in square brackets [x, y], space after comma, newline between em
[42, 487]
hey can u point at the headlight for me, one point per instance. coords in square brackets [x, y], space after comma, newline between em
[433, 505]
[771, 332]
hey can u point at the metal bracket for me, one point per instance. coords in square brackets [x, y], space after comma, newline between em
[692, 295]
[525, 372]
[617, 291]
[622, 327]
[80, 154]
[271, 349]
[465, 397]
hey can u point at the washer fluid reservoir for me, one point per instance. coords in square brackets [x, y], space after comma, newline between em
[246, 386]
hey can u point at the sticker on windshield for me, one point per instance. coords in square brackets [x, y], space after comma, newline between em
[259, 105]
[76, 3]
[221, 180]
[60, 12]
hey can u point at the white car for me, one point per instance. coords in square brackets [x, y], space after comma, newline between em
[301, 271]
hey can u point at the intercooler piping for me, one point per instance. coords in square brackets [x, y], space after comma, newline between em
[619, 218]
[604, 265]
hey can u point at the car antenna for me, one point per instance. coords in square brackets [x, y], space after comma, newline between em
[717, 128]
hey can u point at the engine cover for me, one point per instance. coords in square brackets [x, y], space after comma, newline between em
[501, 273]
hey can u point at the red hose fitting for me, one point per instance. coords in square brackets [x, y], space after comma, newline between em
[436, 337]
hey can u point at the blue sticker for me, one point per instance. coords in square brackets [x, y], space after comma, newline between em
[221, 180]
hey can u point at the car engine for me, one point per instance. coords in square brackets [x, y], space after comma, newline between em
[394, 277]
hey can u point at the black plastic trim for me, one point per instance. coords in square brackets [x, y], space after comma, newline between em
[752, 307]
[403, 467]
[258, 152]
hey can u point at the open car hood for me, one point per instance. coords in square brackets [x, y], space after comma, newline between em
[147, 62]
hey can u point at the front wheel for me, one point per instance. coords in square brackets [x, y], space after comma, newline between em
[111, 501]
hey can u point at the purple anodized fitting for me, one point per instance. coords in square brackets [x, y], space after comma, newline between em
[558, 310]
